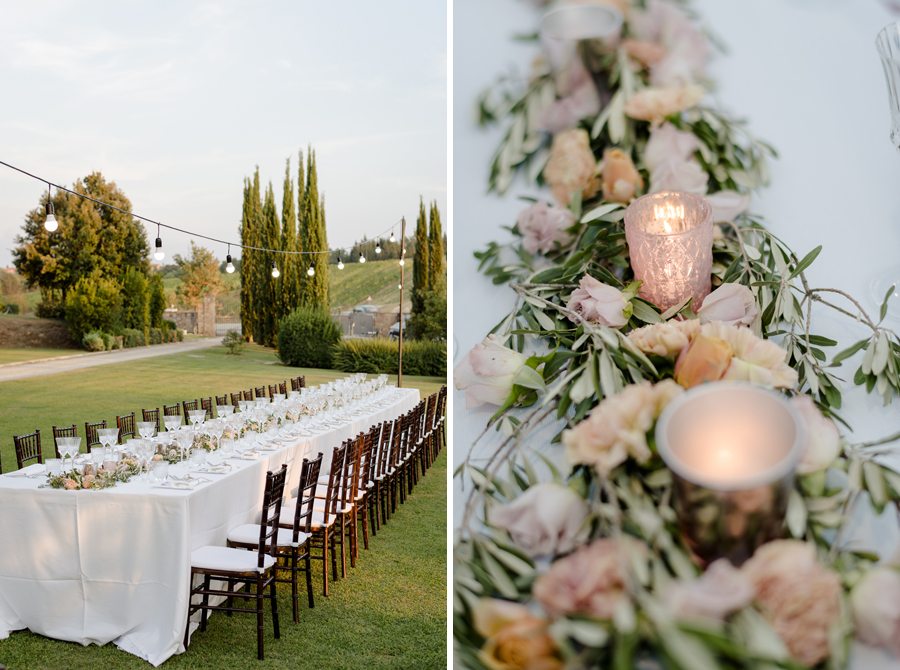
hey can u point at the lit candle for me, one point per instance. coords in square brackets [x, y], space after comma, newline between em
[669, 238]
[732, 448]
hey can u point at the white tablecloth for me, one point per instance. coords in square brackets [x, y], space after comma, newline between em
[806, 75]
[114, 565]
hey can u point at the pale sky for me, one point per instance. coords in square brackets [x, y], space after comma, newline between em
[177, 102]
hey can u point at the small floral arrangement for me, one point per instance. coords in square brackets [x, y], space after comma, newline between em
[171, 453]
[103, 479]
[204, 441]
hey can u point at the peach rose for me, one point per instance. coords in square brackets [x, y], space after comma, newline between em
[70, 484]
[719, 591]
[755, 359]
[644, 52]
[655, 104]
[732, 304]
[617, 427]
[547, 519]
[543, 226]
[571, 167]
[705, 360]
[875, 602]
[87, 481]
[799, 596]
[666, 339]
[597, 302]
[619, 176]
[590, 581]
[487, 372]
[667, 144]
[515, 639]
[823, 442]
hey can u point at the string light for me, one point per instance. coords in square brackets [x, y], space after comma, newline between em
[50, 223]
[229, 266]
[275, 272]
[393, 239]
[311, 271]
[402, 262]
[377, 248]
[340, 264]
[362, 259]
[159, 254]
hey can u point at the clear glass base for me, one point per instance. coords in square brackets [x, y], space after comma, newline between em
[879, 288]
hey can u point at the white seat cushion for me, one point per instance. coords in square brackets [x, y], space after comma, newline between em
[319, 506]
[227, 559]
[249, 534]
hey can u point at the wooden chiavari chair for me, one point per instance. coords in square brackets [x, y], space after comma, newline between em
[152, 415]
[273, 389]
[126, 426]
[67, 431]
[189, 406]
[344, 506]
[172, 410]
[260, 391]
[236, 399]
[295, 383]
[248, 395]
[303, 381]
[282, 388]
[28, 448]
[383, 473]
[90, 433]
[221, 400]
[365, 485]
[207, 404]
[240, 567]
[324, 521]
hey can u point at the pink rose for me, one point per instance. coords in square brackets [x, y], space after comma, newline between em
[679, 176]
[875, 602]
[655, 104]
[542, 226]
[87, 481]
[727, 205]
[799, 596]
[581, 100]
[596, 302]
[719, 591]
[590, 581]
[547, 519]
[646, 53]
[732, 304]
[823, 442]
[487, 372]
[668, 144]
[571, 167]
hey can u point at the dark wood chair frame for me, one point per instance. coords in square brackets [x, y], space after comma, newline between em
[152, 415]
[68, 431]
[323, 536]
[90, 433]
[126, 426]
[28, 448]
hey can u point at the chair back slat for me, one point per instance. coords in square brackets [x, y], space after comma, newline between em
[207, 404]
[126, 426]
[384, 450]
[295, 383]
[260, 391]
[221, 400]
[90, 433]
[236, 398]
[28, 448]
[189, 406]
[350, 475]
[66, 431]
[172, 410]
[334, 481]
[271, 513]
[306, 496]
[282, 388]
[152, 415]
[273, 389]
[248, 395]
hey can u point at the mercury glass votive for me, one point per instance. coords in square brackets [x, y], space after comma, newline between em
[670, 238]
[732, 448]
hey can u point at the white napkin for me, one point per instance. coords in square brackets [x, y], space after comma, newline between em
[250, 455]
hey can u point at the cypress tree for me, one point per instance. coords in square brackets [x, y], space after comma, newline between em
[435, 249]
[267, 306]
[249, 232]
[289, 295]
[421, 264]
[314, 290]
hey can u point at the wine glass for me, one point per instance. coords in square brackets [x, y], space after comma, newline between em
[888, 45]
[62, 445]
[184, 436]
[225, 410]
[146, 428]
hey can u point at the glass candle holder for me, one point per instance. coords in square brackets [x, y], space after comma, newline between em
[732, 448]
[670, 238]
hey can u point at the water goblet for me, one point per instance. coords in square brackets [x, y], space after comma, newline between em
[54, 467]
[225, 410]
[227, 447]
[160, 471]
[97, 457]
[146, 428]
[198, 457]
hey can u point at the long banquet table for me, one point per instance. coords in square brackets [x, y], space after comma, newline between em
[806, 76]
[114, 565]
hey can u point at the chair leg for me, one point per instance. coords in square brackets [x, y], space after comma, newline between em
[309, 586]
[334, 554]
[204, 610]
[343, 547]
[274, 599]
[259, 617]
[187, 624]
[230, 601]
[294, 583]
[325, 563]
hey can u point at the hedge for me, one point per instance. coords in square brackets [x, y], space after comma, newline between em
[306, 338]
[379, 356]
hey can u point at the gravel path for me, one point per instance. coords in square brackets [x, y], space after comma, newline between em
[49, 366]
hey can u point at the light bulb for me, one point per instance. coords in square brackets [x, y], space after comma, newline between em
[311, 271]
[402, 262]
[340, 264]
[393, 239]
[275, 272]
[229, 266]
[51, 223]
[400, 286]
[159, 254]
[377, 248]
[362, 259]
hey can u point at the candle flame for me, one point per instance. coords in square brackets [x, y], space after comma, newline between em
[666, 213]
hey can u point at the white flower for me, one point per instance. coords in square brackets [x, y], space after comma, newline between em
[721, 590]
[726, 205]
[875, 602]
[599, 303]
[668, 144]
[823, 442]
[547, 519]
[732, 304]
[487, 372]
[679, 176]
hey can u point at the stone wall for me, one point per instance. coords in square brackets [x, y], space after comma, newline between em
[201, 321]
[183, 319]
[34, 333]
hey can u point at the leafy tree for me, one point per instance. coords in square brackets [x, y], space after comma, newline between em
[135, 302]
[94, 303]
[431, 322]
[200, 274]
[157, 301]
[91, 239]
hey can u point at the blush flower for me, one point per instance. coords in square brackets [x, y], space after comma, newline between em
[875, 602]
[547, 519]
[70, 484]
[655, 104]
[727, 205]
[798, 596]
[487, 372]
[732, 304]
[644, 52]
[590, 581]
[619, 177]
[515, 639]
[705, 360]
[754, 359]
[599, 303]
[617, 428]
[823, 442]
[667, 144]
[679, 176]
[665, 339]
[542, 226]
[571, 167]
[719, 591]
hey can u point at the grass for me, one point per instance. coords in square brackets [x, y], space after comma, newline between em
[16, 355]
[102, 392]
[389, 613]
[357, 281]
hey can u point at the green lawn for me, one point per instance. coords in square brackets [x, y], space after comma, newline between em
[16, 355]
[102, 392]
[390, 612]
